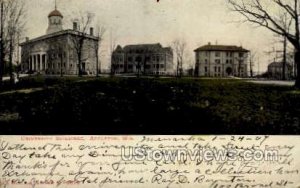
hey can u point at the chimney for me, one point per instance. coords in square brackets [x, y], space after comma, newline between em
[75, 26]
[27, 39]
[209, 43]
[92, 31]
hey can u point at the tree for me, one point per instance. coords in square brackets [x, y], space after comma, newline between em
[100, 30]
[274, 16]
[113, 65]
[252, 58]
[179, 47]
[80, 36]
[11, 27]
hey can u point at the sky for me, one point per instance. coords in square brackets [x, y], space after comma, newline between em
[145, 21]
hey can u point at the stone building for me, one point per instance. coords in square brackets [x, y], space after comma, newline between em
[57, 51]
[146, 59]
[221, 61]
[275, 70]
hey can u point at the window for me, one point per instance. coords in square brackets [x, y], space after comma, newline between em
[162, 66]
[219, 69]
[241, 54]
[205, 69]
[206, 61]
[206, 54]
[130, 59]
[218, 54]
[227, 61]
[215, 69]
[229, 54]
[217, 61]
[130, 67]
[157, 58]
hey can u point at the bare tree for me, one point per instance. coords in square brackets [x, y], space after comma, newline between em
[274, 16]
[112, 48]
[179, 47]
[12, 14]
[100, 30]
[78, 39]
[252, 58]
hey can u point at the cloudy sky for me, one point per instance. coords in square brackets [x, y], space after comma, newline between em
[146, 21]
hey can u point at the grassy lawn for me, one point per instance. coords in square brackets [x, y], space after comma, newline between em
[142, 106]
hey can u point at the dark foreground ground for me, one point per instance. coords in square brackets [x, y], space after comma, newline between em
[148, 106]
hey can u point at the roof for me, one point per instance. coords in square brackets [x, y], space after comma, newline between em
[55, 13]
[143, 48]
[56, 34]
[279, 64]
[228, 48]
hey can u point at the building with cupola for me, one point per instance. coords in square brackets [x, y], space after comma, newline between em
[57, 52]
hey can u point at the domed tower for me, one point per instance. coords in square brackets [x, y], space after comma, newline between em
[55, 19]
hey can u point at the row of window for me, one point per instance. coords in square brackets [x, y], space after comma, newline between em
[218, 61]
[157, 66]
[139, 59]
[218, 69]
[228, 54]
[49, 65]
[55, 21]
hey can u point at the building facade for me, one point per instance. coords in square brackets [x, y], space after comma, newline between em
[221, 61]
[57, 51]
[146, 59]
[275, 71]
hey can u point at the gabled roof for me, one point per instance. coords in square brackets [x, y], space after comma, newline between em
[228, 48]
[56, 34]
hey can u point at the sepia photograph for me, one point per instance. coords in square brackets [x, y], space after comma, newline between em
[215, 77]
[157, 67]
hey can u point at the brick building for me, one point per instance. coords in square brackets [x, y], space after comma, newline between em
[147, 59]
[221, 61]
